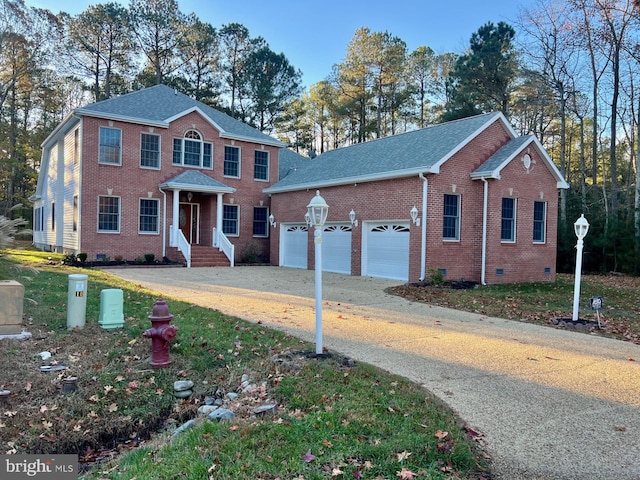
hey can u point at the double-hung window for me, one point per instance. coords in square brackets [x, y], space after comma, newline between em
[231, 220]
[451, 217]
[149, 215]
[231, 161]
[108, 214]
[192, 151]
[508, 230]
[110, 146]
[539, 222]
[261, 165]
[260, 222]
[150, 151]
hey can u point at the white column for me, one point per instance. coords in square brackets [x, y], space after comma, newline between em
[176, 218]
[218, 219]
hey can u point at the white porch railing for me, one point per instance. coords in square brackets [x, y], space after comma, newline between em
[221, 241]
[183, 246]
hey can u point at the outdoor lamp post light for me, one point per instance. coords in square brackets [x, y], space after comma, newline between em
[316, 215]
[581, 227]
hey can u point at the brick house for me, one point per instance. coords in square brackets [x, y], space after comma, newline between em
[468, 198]
[155, 171]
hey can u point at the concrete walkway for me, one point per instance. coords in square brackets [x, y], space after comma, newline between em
[552, 404]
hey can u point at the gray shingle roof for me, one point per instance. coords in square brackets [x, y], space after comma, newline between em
[196, 181]
[161, 104]
[497, 161]
[289, 161]
[419, 151]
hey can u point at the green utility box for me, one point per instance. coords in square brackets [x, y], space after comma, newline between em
[111, 315]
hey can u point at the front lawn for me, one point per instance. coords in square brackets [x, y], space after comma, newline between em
[333, 417]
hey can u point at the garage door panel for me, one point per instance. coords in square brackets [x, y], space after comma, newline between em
[336, 249]
[388, 251]
[294, 240]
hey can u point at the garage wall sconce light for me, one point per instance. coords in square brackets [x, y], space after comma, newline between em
[414, 216]
[272, 220]
[352, 218]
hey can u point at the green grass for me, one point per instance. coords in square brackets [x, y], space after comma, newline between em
[353, 418]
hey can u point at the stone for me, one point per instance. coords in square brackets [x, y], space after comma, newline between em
[207, 409]
[232, 395]
[267, 408]
[11, 307]
[183, 427]
[222, 414]
[183, 394]
[182, 385]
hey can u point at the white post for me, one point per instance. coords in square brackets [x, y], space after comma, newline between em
[581, 227]
[576, 288]
[317, 234]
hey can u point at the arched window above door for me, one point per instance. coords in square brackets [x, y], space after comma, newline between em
[192, 151]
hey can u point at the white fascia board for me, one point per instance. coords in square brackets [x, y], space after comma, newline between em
[65, 125]
[223, 133]
[196, 188]
[498, 115]
[121, 118]
[351, 180]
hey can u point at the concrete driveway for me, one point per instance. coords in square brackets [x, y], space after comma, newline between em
[551, 404]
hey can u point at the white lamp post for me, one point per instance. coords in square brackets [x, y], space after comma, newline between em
[581, 227]
[316, 215]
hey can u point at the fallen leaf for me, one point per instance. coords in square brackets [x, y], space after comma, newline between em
[27, 387]
[308, 457]
[403, 455]
[113, 407]
[406, 474]
[440, 434]
[43, 408]
[327, 443]
[336, 472]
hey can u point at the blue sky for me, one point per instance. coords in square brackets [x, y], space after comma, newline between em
[314, 35]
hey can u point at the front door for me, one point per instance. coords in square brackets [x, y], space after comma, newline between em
[189, 221]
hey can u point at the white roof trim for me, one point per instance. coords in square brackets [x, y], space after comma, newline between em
[495, 174]
[223, 133]
[349, 180]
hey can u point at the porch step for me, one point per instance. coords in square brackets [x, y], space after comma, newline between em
[202, 256]
[208, 257]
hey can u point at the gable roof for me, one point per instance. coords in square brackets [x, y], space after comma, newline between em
[196, 181]
[494, 164]
[406, 154]
[159, 105]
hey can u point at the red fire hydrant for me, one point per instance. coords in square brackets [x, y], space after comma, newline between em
[161, 333]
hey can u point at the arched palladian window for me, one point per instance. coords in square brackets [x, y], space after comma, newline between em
[192, 151]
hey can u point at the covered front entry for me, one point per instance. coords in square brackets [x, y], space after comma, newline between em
[385, 250]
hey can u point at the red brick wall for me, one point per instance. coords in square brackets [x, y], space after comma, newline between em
[393, 199]
[130, 182]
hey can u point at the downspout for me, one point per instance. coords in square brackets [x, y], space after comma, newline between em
[164, 222]
[423, 247]
[485, 203]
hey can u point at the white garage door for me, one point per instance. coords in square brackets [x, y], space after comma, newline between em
[293, 246]
[387, 250]
[336, 249]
